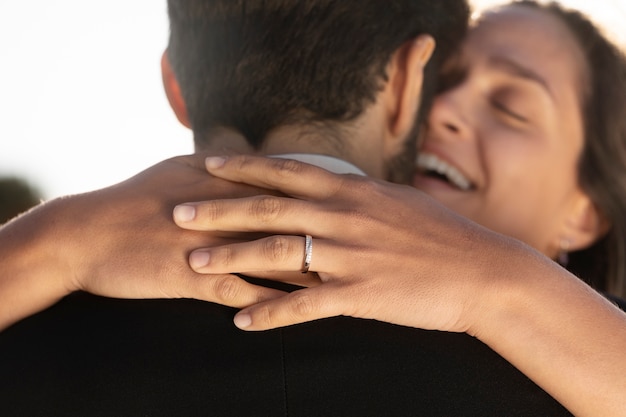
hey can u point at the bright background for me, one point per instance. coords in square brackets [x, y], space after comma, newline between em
[81, 102]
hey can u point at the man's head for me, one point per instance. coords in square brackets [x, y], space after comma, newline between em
[256, 65]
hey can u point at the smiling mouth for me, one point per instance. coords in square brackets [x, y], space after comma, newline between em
[431, 166]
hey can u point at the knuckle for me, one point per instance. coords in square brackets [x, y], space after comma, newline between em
[365, 187]
[240, 162]
[225, 256]
[263, 316]
[226, 288]
[211, 211]
[302, 306]
[359, 200]
[357, 216]
[276, 249]
[357, 187]
[287, 168]
[265, 208]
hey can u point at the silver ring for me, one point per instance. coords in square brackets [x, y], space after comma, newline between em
[308, 253]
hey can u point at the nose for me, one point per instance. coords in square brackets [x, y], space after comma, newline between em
[448, 118]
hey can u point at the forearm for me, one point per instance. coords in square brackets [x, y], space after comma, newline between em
[32, 264]
[561, 334]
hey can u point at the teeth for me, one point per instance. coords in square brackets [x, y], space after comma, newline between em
[428, 162]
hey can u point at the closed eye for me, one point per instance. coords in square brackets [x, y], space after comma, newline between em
[504, 109]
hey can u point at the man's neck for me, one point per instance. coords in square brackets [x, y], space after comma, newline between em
[297, 140]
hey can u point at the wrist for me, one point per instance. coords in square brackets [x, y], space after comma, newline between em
[512, 280]
[34, 262]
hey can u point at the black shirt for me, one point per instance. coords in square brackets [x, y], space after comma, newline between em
[93, 356]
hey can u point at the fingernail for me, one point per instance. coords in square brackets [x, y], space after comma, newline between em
[198, 259]
[214, 162]
[184, 213]
[243, 320]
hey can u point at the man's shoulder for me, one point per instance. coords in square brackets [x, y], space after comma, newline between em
[373, 368]
[168, 357]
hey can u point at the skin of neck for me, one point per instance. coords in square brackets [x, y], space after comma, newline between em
[360, 141]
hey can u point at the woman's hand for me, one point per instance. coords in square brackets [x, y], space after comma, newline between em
[390, 253]
[118, 242]
[381, 251]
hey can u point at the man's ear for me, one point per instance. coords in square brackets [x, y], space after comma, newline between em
[172, 91]
[404, 89]
[584, 225]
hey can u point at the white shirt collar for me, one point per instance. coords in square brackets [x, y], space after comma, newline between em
[329, 163]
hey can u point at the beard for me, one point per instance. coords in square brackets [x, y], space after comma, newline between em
[401, 167]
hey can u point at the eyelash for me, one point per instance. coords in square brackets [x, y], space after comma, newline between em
[502, 108]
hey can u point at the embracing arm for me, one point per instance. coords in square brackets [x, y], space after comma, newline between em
[117, 242]
[391, 253]
[32, 272]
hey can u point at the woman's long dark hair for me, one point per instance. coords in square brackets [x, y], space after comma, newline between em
[602, 165]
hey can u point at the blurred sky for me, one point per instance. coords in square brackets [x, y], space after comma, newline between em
[81, 102]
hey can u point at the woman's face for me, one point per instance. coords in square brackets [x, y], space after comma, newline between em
[507, 138]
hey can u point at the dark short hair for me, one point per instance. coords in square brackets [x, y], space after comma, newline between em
[602, 164]
[254, 65]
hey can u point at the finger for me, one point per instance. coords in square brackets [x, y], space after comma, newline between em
[297, 307]
[291, 177]
[274, 253]
[259, 213]
[227, 289]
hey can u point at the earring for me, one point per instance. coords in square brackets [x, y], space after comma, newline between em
[563, 257]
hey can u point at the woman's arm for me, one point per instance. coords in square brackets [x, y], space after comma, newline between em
[118, 242]
[391, 253]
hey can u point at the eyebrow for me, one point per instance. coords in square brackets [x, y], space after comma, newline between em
[514, 68]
